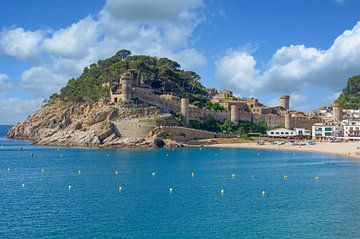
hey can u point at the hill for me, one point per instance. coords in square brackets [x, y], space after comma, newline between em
[161, 74]
[350, 96]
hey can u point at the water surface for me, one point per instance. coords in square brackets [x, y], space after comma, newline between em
[299, 207]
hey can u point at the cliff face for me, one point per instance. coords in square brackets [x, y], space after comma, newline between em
[91, 125]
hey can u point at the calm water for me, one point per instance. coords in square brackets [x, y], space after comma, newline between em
[299, 207]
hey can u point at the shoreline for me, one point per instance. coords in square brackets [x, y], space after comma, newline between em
[348, 149]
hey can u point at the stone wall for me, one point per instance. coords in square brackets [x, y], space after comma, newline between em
[134, 128]
[182, 134]
[147, 95]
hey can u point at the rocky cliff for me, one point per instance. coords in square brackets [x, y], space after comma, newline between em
[98, 124]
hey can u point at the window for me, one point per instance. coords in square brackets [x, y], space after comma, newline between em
[328, 129]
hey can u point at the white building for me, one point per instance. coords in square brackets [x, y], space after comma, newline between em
[351, 129]
[326, 130]
[282, 132]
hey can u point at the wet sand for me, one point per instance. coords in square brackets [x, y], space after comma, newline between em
[348, 149]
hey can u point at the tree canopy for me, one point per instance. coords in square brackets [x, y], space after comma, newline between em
[350, 96]
[88, 86]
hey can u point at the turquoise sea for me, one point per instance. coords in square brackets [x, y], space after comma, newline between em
[36, 201]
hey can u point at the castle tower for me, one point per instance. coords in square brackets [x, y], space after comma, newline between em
[126, 91]
[184, 109]
[234, 114]
[285, 101]
[288, 123]
[337, 111]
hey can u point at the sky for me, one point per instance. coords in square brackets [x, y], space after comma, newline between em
[256, 48]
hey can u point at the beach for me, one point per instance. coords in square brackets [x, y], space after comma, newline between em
[348, 149]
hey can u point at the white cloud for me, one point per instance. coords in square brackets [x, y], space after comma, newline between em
[42, 80]
[74, 41]
[21, 44]
[4, 82]
[292, 68]
[158, 27]
[13, 110]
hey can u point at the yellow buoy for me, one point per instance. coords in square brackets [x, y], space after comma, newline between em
[233, 175]
[153, 174]
[286, 177]
[192, 174]
[170, 190]
[8, 169]
[317, 178]
[42, 170]
[116, 172]
[222, 191]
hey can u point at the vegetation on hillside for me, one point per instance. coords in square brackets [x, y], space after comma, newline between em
[226, 126]
[163, 74]
[350, 96]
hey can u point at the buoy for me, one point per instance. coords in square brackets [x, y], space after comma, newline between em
[263, 193]
[216, 155]
[294, 154]
[42, 170]
[1, 146]
[23, 185]
[252, 176]
[192, 174]
[200, 148]
[69, 187]
[233, 175]
[167, 155]
[286, 177]
[170, 190]
[153, 174]
[31, 155]
[258, 154]
[8, 169]
[60, 155]
[120, 188]
[108, 155]
[317, 178]
[79, 172]
[222, 191]
[116, 172]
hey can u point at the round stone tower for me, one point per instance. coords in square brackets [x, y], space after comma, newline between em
[337, 110]
[126, 91]
[285, 101]
[184, 109]
[234, 114]
[288, 122]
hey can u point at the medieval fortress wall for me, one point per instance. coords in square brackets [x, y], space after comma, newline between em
[184, 134]
[235, 110]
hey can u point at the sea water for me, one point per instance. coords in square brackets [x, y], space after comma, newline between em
[44, 195]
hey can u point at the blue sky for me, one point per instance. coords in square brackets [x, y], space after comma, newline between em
[256, 48]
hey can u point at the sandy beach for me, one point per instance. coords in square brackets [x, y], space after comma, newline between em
[348, 149]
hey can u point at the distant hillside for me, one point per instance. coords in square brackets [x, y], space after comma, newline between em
[163, 74]
[350, 96]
